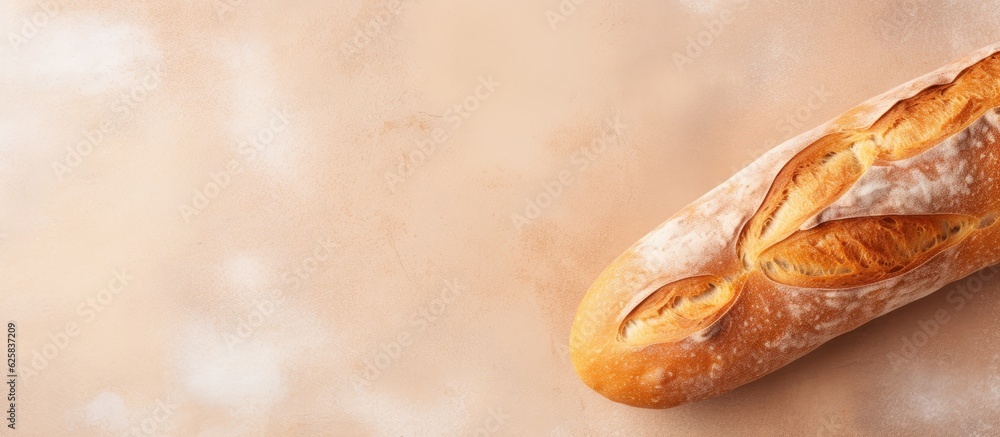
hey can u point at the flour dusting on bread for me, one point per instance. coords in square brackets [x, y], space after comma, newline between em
[829, 230]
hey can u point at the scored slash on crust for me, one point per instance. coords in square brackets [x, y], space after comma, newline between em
[678, 310]
[839, 254]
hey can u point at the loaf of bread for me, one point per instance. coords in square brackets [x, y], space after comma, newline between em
[831, 229]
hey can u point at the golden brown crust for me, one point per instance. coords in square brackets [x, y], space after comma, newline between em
[861, 251]
[824, 233]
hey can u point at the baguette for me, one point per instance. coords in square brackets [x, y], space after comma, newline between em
[835, 227]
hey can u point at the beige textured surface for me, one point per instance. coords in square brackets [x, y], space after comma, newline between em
[313, 292]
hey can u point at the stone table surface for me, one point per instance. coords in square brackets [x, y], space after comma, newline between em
[367, 217]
